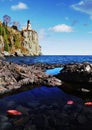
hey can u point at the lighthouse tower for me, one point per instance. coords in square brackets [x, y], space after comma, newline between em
[29, 25]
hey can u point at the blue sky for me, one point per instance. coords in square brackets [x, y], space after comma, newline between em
[64, 26]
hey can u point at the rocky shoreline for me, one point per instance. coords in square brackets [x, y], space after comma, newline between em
[15, 78]
[77, 79]
[77, 73]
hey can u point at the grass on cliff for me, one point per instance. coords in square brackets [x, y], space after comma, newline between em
[12, 38]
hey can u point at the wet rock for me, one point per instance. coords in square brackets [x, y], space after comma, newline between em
[23, 109]
[39, 121]
[21, 121]
[3, 118]
[30, 127]
[11, 104]
[43, 107]
[85, 90]
[53, 82]
[82, 119]
[6, 126]
[87, 111]
[33, 104]
[77, 78]
[79, 72]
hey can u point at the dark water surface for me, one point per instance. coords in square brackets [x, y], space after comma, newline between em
[50, 59]
[39, 106]
[46, 108]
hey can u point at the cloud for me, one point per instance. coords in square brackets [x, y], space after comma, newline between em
[61, 28]
[19, 6]
[84, 6]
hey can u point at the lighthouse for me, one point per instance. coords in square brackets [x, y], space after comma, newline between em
[28, 25]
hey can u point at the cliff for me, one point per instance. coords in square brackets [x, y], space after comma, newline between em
[18, 43]
[30, 42]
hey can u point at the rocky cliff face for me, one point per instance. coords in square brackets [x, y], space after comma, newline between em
[18, 43]
[30, 42]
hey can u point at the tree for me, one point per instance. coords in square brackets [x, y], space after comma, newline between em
[6, 19]
[6, 46]
[15, 25]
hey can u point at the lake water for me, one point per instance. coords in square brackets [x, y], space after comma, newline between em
[50, 59]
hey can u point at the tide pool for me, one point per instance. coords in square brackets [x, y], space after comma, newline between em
[54, 71]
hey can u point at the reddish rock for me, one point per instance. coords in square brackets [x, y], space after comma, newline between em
[70, 102]
[14, 112]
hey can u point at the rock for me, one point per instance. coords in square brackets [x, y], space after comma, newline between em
[77, 77]
[52, 81]
[24, 110]
[6, 126]
[30, 42]
[76, 73]
[3, 118]
[14, 77]
[39, 121]
[82, 119]
[43, 107]
[11, 104]
[85, 90]
[5, 53]
[18, 52]
[21, 121]
[13, 112]
[1, 44]
[30, 127]
[33, 104]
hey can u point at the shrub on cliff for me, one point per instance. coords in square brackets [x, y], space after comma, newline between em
[17, 41]
[14, 27]
[6, 46]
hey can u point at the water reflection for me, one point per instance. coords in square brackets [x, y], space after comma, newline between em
[42, 95]
[43, 108]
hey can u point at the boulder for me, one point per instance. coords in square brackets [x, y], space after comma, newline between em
[18, 52]
[6, 53]
[76, 73]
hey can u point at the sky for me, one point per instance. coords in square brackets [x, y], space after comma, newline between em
[64, 26]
